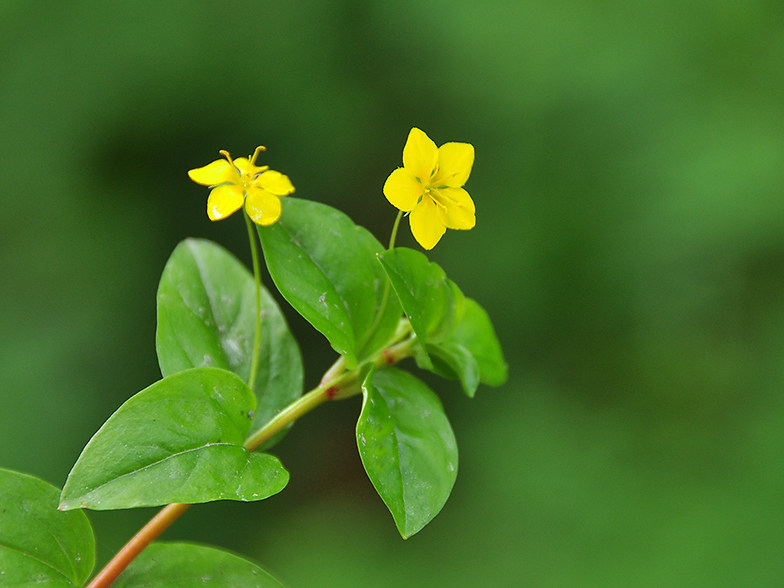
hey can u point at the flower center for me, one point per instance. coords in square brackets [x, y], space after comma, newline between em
[248, 175]
[246, 179]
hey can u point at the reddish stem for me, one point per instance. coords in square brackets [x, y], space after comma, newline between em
[146, 535]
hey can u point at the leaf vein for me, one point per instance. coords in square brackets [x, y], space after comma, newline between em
[30, 556]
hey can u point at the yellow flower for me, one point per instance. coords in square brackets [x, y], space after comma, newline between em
[430, 187]
[233, 182]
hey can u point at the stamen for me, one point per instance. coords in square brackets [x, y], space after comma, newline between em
[441, 199]
[228, 158]
[259, 149]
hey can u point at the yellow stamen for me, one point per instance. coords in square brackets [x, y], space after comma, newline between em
[228, 158]
[259, 149]
[442, 199]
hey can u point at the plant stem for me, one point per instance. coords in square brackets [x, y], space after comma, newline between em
[343, 386]
[334, 370]
[157, 525]
[291, 413]
[384, 297]
[254, 251]
[393, 237]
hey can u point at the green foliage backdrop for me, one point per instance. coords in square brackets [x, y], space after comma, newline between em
[629, 247]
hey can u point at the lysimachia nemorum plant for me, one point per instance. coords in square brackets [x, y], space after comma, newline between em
[232, 376]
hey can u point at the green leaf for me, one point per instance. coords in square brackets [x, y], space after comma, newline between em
[452, 360]
[407, 447]
[325, 266]
[39, 544]
[192, 566]
[207, 317]
[177, 441]
[475, 333]
[432, 302]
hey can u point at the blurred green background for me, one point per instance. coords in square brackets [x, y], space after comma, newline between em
[630, 248]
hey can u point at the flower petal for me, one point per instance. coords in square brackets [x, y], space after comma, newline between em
[223, 201]
[262, 207]
[402, 189]
[212, 174]
[455, 161]
[420, 155]
[426, 227]
[457, 210]
[274, 182]
[242, 164]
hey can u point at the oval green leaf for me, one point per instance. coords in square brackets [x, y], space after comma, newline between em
[407, 447]
[179, 440]
[325, 266]
[192, 566]
[475, 333]
[39, 544]
[432, 302]
[452, 360]
[207, 317]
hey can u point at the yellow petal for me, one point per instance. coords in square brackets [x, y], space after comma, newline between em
[402, 189]
[456, 209]
[262, 207]
[420, 155]
[455, 161]
[274, 182]
[425, 224]
[223, 201]
[217, 172]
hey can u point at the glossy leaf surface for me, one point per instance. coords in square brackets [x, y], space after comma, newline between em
[432, 302]
[325, 266]
[177, 441]
[452, 360]
[475, 334]
[192, 566]
[407, 447]
[207, 317]
[38, 543]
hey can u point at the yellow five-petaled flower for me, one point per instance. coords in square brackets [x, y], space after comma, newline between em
[233, 182]
[430, 187]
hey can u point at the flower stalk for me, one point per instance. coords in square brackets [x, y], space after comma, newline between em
[254, 251]
[393, 236]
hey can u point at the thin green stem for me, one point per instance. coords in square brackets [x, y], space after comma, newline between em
[334, 370]
[344, 386]
[254, 251]
[393, 237]
[291, 413]
[385, 296]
